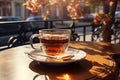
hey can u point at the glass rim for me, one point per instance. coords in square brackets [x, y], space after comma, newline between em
[55, 30]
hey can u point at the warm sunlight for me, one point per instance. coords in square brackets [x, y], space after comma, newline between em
[64, 77]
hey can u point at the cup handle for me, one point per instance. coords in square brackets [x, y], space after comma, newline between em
[31, 40]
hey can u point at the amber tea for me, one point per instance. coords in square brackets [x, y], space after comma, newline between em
[55, 45]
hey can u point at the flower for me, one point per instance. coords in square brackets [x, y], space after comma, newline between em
[73, 6]
[46, 15]
[34, 5]
[102, 18]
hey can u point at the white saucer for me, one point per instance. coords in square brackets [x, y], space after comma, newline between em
[78, 55]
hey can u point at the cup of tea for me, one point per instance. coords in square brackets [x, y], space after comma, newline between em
[54, 42]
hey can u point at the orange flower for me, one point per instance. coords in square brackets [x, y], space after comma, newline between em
[106, 20]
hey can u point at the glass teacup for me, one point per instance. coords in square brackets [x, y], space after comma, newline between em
[54, 42]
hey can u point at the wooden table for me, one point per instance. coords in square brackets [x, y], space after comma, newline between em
[101, 48]
[15, 65]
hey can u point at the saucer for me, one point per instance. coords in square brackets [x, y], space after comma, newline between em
[78, 55]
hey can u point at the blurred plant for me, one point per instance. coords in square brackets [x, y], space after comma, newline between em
[106, 18]
[35, 5]
[102, 18]
[46, 15]
[73, 7]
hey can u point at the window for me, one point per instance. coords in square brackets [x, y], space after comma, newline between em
[18, 10]
[1, 12]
